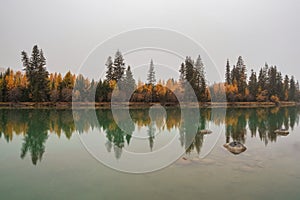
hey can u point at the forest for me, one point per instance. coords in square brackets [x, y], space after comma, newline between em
[35, 84]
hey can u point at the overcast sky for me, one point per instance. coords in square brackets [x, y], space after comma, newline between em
[260, 31]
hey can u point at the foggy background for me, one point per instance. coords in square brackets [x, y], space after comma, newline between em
[259, 31]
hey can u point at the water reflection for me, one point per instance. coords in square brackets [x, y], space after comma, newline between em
[35, 126]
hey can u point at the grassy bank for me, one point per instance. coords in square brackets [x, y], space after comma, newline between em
[63, 105]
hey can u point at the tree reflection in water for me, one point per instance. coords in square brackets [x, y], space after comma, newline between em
[35, 125]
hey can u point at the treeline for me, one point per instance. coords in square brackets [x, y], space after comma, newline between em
[268, 85]
[38, 85]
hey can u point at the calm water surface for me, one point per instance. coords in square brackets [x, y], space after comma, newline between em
[42, 156]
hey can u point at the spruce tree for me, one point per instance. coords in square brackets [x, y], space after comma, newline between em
[200, 82]
[263, 77]
[151, 74]
[272, 72]
[129, 80]
[37, 75]
[286, 87]
[110, 69]
[252, 85]
[242, 76]
[189, 71]
[190, 88]
[118, 66]
[182, 74]
[292, 91]
[128, 84]
[228, 74]
[279, 86]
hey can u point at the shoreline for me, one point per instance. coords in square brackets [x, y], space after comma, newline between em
[107, 105]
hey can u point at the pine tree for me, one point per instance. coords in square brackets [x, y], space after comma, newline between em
[43, 79]
[128, 85]
[189, 71]
[200, 82]
[228, 74]
[182, 75]
[253, 85]
[37, 74]
[272, 72]
[151, 74]
[234, 75]
[286, 87]
[129, 80]
[279, 86]
[110, 69]
[242, 76]
[292, 91]
[263, 78]
[190, 88]
[118, 67]
[199, 71]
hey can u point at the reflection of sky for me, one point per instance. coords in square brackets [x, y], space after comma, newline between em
[261, 172]
[68, 30]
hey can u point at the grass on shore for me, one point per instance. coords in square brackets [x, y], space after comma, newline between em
[142, 104]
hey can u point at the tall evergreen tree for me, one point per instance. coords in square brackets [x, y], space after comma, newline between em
[189, 71]
[110, 69]
[228, 74]
[129, 82]
[182, 74]
[190, 85]
[272, 72]
[151, 74]
[37, 74]
[199, 71]
[286, 87]
[279, 86]
[234, 75]
[200, 82]
[118, 66]
[263, 77]
[292, 91]
[242, 76]
[253, 86]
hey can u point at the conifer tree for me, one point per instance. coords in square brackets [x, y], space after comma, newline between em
[118, 67]
[37, 74]
[151, 74]
[253, 86]
[292, 91]
[200, 82]
[182, 74]
[286, 87]
[263, 77]
[110, 69]
[228, 74]
[129, 80]
[242, 76]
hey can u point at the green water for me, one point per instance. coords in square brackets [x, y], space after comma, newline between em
[42, 155]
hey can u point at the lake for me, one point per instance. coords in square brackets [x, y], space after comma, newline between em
[65, 154]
